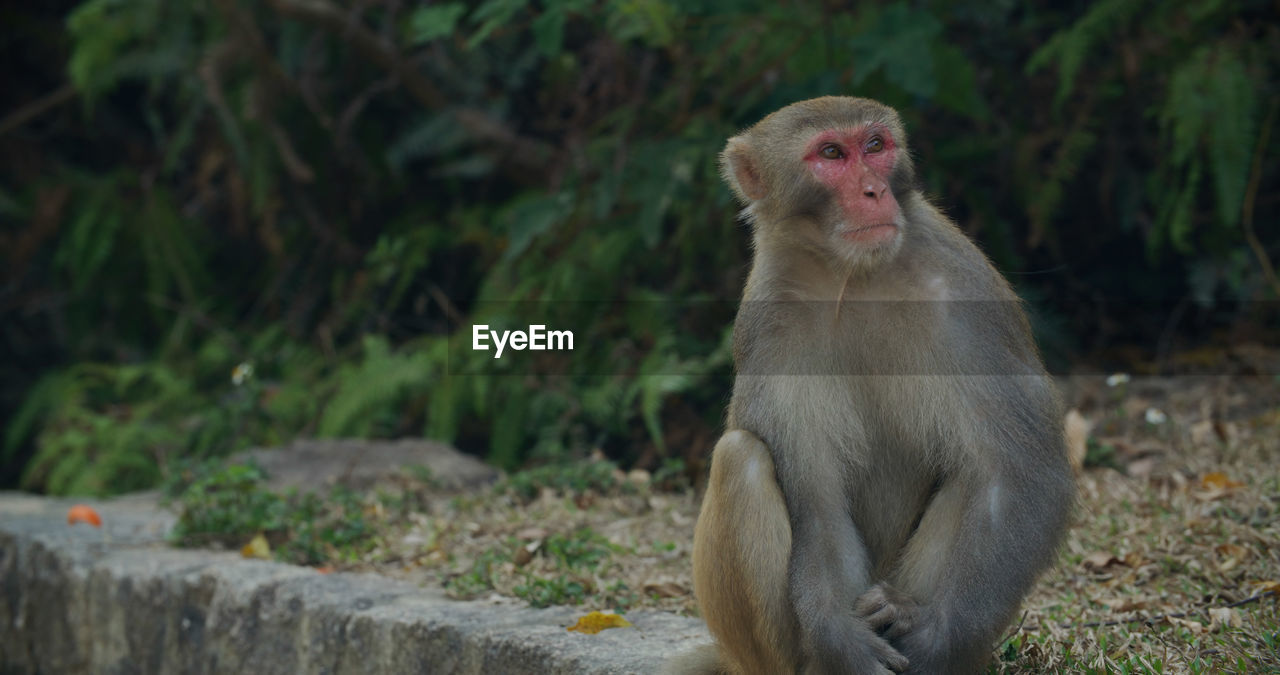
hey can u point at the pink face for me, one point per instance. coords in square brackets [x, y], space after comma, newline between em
[856, 164]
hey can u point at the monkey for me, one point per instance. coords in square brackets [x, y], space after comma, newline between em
[893, 476]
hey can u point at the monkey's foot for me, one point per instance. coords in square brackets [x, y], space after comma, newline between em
[889, 613]
[849, 645]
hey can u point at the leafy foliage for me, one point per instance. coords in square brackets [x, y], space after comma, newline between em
[227, 504]
[574, 478]
[334, 193]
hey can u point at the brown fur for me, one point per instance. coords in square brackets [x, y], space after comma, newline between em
[893, 477]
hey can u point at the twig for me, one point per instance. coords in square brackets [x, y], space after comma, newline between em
[450, 310]
[1013, 631]
[37, 108]
[1251, 197]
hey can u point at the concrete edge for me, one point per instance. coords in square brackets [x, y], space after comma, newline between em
[116, 599]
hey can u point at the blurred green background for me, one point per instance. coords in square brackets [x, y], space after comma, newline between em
[233, 223]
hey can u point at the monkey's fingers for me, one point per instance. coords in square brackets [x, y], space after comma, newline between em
[890, 657]
[889, 623]
[888, 618]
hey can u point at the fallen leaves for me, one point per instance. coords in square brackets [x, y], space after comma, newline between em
[665, 589]
[597, 621]
[1126, 604]
[1270, 586]
[257, 548]
[1215, 485]
[81, 513]
[1101, 560]
[1230, 556]
[1223, 617]
[1217, 480]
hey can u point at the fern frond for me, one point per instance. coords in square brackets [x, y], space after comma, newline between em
[1071, 47]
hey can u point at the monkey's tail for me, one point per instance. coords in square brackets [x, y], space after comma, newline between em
[704, 660]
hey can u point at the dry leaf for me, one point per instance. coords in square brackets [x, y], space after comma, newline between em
[1218, 481]
[1195, 627]
[1268, 586]
[1077, 432]
[665, 589]
[1202, 433]
[257, 548]
[325, 569]
[597, 621]
[1223, 617]
[1100, 560]
[1232, 555]
[531, 533]
[1125, 604]
[1133, 559]
[83, 514]
[1141, 468]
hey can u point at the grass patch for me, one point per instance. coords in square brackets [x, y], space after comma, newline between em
[1175, 539]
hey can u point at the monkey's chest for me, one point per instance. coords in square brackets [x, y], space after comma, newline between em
[875, 438]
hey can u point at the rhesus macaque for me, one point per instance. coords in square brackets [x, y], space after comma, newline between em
[893, 477]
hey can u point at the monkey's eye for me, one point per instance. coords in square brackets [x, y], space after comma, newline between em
[876, 144]
[830, 151]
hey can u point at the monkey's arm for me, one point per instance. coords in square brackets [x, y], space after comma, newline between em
[829, 569]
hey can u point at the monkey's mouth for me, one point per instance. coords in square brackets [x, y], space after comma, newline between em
[870, 234]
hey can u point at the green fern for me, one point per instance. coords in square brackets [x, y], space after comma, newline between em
[1208, 118]
[371, 388]
[1047, 195]
[1071, 48]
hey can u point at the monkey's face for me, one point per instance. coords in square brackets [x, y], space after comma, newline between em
[859, 215]
[825, 174]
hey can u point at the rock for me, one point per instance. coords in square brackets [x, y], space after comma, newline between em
[360, 464]
[116, 599]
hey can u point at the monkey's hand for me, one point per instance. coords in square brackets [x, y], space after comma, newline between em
[910, 628]
[889, 613]
[851, 646]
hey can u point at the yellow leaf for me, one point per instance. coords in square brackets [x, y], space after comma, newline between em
[1218, 481]
[597, 621]
[257, 548]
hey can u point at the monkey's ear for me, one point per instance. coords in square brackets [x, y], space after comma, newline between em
[738, 166]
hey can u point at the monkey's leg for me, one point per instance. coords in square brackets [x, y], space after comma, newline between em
[829, 570]
[979, 546]
[741, 546]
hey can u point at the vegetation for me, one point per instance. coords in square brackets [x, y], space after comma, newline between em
[234, 222]
[1168, 567]
[227, 505]
[221, 504]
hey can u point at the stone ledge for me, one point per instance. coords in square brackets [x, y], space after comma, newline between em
[116, 599]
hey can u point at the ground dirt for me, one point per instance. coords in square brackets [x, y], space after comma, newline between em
[1171, 564]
